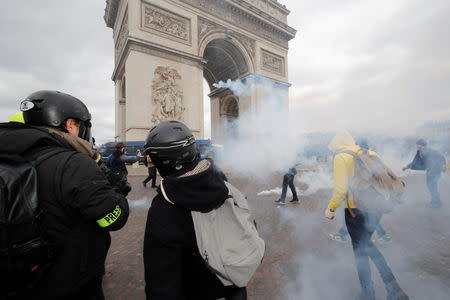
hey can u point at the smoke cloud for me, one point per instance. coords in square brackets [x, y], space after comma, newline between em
[265, 142]
[272, 140]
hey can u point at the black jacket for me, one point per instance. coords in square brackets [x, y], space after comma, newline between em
[428, 159]
[73, 193]
[174, 270]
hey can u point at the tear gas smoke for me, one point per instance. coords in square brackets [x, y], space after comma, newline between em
[264, 142]
[270, 141]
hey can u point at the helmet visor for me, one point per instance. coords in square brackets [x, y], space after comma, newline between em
[85, 131]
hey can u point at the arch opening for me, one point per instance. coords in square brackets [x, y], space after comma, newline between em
[224, 60]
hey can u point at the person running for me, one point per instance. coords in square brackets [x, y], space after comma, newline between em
[360, 224]
[341, 235]
[288, 180]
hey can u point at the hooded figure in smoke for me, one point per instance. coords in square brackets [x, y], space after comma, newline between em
[434, 163]
[362, 225]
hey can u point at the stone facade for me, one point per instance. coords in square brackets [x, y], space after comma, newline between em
[164, 49]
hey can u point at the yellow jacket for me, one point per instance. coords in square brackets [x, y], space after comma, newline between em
[344, 169]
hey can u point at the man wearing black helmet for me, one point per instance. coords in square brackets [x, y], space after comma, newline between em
[174, 269]
[79, 206]
[433, 162]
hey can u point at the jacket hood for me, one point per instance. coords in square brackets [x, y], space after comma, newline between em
[203, 191]
[343, 141]
[17, 138]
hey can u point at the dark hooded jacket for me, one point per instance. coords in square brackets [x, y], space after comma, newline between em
[429, 160]
[74, 195]
[173, 267]
[115, 162]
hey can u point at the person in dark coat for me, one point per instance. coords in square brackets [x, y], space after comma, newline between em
[118, 171]
[288, 180]
[115, 162]
[79, 205]
[433, 163]
[174, 268]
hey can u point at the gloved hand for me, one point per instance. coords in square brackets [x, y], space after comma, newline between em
[329, 213]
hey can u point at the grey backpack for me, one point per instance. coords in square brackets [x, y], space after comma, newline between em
[227, 240]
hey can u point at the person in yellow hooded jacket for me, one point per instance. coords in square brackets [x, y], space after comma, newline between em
[362, 225]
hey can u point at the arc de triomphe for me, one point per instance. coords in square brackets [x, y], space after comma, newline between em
[164, 48]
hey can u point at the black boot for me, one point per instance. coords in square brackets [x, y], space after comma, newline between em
[395, 292]
[294, 199]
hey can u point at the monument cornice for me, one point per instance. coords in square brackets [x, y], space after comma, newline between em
[247, 17]
[267, 16]
[139, 45]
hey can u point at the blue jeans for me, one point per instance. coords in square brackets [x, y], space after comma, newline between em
[361, 229]
[432, 184]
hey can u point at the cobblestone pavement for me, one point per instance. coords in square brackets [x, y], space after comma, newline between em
[301, 262]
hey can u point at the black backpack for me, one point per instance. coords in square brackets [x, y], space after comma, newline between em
[24, 252]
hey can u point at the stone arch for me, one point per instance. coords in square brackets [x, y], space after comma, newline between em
[235, 62]
[225, 58]
[229, 107]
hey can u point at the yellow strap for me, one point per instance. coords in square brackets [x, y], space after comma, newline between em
[110, 217]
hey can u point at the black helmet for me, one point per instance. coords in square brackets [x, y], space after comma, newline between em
[52, 108]
[171, 147]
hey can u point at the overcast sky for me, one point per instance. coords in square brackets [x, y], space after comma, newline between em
[382, 66]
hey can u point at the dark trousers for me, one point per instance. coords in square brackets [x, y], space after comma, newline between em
[288, 179]
[361, 229]
[151, 176]
[379, 229]
[432, 184]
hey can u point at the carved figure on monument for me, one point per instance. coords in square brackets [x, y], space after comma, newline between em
[167, 95]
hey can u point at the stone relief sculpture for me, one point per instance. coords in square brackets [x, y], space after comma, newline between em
[169, 24]
[167, 95]
[272, 62]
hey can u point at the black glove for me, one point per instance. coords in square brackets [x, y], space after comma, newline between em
[118, 180]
